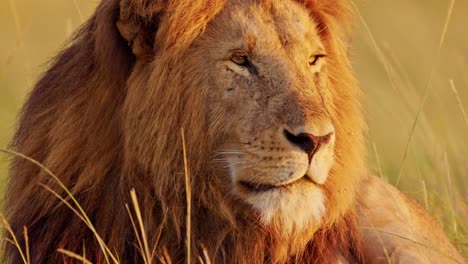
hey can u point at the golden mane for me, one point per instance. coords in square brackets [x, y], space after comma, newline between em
[106, 117]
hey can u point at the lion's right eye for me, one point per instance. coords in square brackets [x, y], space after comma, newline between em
[240, 59]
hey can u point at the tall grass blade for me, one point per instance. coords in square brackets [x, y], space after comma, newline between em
[13, 239]
[426, 90]
[80, 212]
[78, 9]
[74, 256]
[144, 238]
[26, 244]
[135, 229]
[459, 101]
[188, 195]
[158, 234]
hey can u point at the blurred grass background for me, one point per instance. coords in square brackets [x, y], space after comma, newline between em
[420, 147]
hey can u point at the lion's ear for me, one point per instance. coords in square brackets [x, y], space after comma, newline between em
[137, 23]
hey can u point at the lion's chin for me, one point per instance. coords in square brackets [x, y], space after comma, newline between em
[290, 208]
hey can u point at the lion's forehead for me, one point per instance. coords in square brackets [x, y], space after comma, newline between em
[270, 26]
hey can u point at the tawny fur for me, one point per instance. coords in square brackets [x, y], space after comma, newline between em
[106, 118]
[397, 229]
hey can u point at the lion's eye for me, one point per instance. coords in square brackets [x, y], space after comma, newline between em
[240, 59]
[313, 60]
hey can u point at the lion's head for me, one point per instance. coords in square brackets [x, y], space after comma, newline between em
[270, 110]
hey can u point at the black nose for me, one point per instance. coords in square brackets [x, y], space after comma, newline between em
[303, 140]
[307, 142]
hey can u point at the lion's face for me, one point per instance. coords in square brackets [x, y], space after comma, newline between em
[266, 89]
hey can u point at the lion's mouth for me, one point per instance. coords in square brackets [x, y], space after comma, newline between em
[261, 187]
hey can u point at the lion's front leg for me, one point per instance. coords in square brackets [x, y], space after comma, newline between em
[396, 229]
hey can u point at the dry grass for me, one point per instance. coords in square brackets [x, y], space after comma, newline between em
[410, 57]
[138, 226]
[74, 206]
[188, 195]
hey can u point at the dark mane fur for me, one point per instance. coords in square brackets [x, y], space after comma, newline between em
[70, 124]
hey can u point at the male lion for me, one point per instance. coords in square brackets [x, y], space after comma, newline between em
[270, 108]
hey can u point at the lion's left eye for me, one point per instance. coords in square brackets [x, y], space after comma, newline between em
[314, 59]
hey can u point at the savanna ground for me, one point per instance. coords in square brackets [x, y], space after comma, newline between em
[411, 58]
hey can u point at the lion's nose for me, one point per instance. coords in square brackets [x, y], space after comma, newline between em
[307, 142]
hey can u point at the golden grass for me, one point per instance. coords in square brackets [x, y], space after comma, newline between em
[14, 240]
[79, 211]
[459, 101]
[74, 256]
[140, 233]
[411, 62]
[426, 92]
[188, 196]
[141, 237]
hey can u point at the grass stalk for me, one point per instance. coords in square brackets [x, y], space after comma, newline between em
[78, 10]
[188, 196]
[26, 244]
[14, 240]
[426, 90]
[79, 212]
[74, 256]
[459, 101]
[146, 253]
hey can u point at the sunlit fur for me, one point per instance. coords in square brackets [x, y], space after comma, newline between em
[107, 117]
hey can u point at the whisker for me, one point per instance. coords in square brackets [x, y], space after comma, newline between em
[246, 167]
[233, 164]
[241, 148]
[226, 153]
[234, 142]
[258, 174]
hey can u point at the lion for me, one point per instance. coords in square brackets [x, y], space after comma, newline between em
[264, 93]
